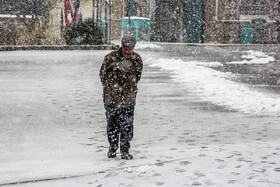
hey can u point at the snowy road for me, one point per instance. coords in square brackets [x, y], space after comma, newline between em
[194, 125]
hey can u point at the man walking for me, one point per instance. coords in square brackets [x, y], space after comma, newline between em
[120, 72]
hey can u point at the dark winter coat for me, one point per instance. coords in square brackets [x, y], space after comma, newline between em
[119, 77]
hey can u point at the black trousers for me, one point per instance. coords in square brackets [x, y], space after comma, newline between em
[119, 126]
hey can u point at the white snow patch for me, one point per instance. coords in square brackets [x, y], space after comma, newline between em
[254, 57]
[137, 18]
[15, 16]
[143, 45]
[139, 170]
[144, 169]
[216, 87]
[209, 64]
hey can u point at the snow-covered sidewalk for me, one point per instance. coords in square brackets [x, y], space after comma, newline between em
[53, 127]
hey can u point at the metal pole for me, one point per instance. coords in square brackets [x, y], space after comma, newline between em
[100, 6]
[93, 9]
[110, 21]
[97, 10]
[129, 11]
[217, 8]
[106, 21]
[106, 9]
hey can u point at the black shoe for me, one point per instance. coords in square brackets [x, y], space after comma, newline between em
[126, 156]
[112, 153]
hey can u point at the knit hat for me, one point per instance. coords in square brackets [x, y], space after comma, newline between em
[128, 41]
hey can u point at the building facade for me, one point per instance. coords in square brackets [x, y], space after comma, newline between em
[168, 21]
[262, 16]
[189, 21]
[178, 21]
[21, 17]
[242, 21]
[108, 14]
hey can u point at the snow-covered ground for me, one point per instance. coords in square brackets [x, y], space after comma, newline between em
[194, 126]
[217, 88]
[254, 57]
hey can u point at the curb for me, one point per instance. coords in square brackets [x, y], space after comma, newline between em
[59, 47]
[212, 44]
